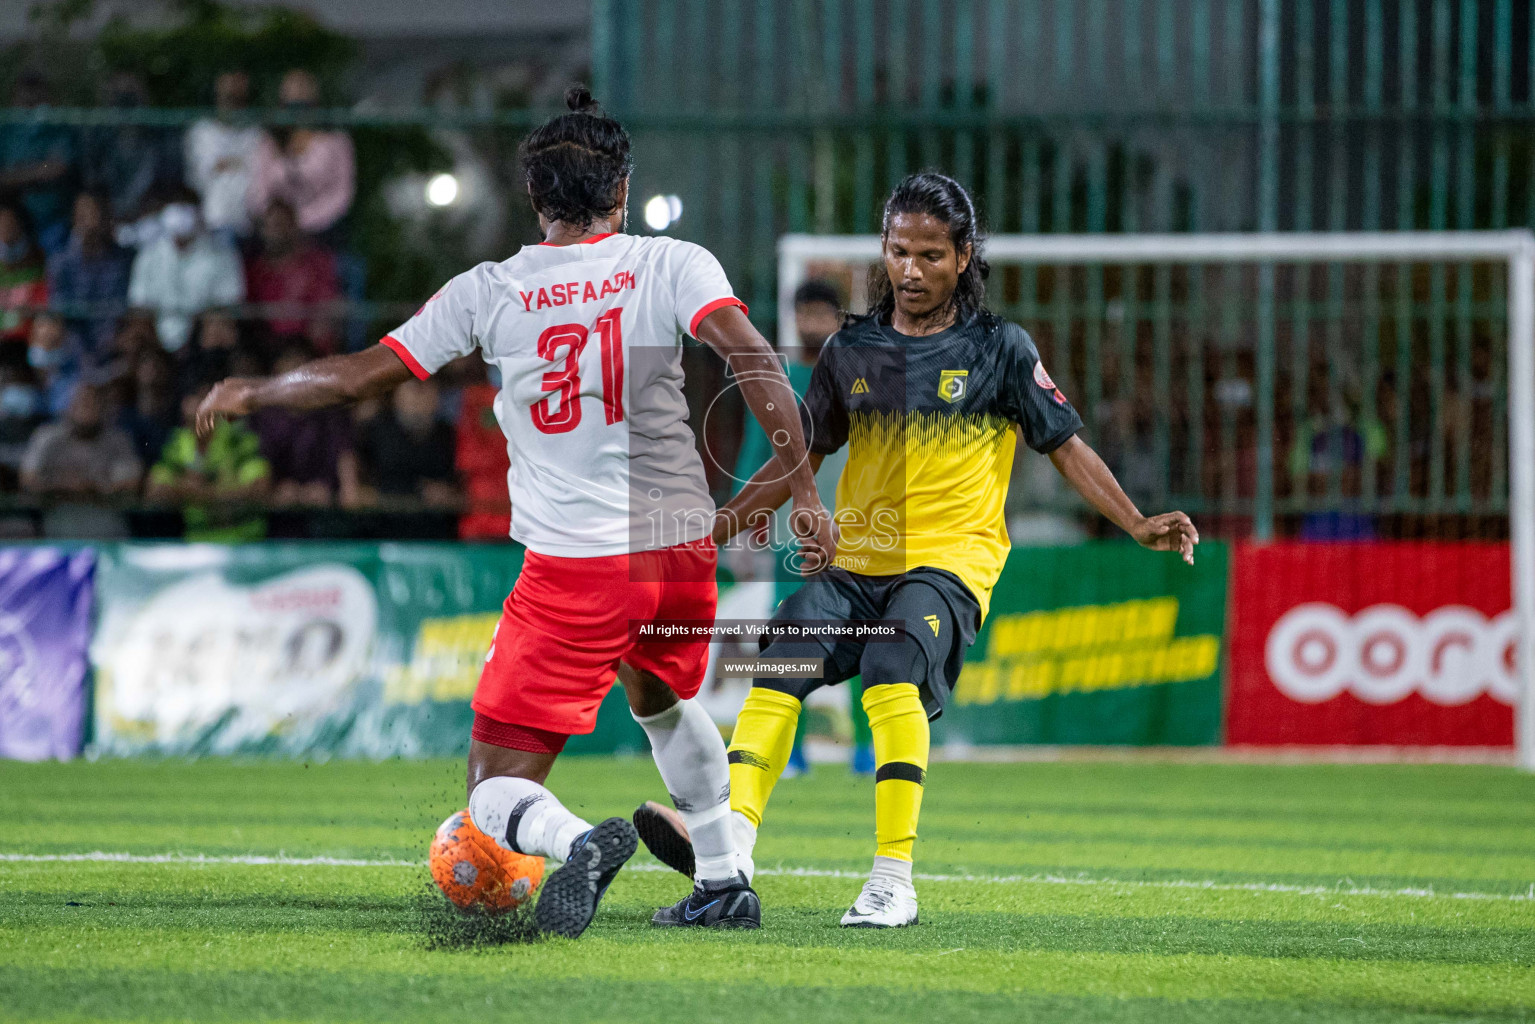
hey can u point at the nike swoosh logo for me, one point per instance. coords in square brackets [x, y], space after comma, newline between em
[695, 915]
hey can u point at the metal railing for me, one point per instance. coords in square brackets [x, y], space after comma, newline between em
[779, 116]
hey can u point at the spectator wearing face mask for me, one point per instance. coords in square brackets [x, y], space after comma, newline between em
[38, 162]
[294, 271]
[81, 462]
[91, 272]
[184, 271]
[23, 277]
[221, 156]
[55, 358]
[310, 169]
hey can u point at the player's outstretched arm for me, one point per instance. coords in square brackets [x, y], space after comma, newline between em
[1085, 471]
[337, 380]
[758, 497]
[768, 394]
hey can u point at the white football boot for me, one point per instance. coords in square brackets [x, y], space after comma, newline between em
[884, 903]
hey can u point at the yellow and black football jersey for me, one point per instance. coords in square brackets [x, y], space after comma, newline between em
[930, 425]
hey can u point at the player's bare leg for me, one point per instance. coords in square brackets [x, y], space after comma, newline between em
[690, 755]
[508, 802]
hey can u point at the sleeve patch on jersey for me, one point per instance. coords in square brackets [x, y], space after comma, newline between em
[409, 360]
[1042, 378]
[698, 318]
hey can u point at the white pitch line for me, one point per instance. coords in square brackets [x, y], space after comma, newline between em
[102, 857]
[1205, 885]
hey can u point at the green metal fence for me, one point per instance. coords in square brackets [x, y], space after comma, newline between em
[775, 116]
[1075, 115]
[1387, 384]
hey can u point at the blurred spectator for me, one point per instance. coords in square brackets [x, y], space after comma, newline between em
[134, 338]
[128, 161]
[184, 271]
[293, 270]
[227, 468]
[23, 276]
[56, 360]
[313, 170]
[217, 349]
[90, 271]
[153, 412]
[81, 459]
[221, 156]
[37, 161]
[482, 462]
[310, 452]
[21, 412]
[406, 451]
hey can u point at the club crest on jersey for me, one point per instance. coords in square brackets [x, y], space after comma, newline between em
[860, 387]
[435, 295]
[951, 384]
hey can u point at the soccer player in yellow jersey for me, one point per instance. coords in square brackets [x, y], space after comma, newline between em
[929, 391]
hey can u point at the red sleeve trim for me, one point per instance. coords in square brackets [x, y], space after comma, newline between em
[698, 318]
[409, 360]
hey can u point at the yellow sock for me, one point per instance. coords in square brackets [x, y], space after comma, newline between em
[901, 738]
[759, 749]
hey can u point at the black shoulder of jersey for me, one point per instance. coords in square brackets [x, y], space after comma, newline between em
[854, 330]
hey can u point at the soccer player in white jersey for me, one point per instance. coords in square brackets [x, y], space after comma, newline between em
[608, 495]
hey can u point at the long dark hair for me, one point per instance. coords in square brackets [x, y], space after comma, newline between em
[575, 163]
[940, 196]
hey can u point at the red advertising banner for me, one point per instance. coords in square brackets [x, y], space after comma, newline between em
[1406, 644]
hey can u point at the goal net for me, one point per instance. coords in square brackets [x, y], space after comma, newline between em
[1293, 387]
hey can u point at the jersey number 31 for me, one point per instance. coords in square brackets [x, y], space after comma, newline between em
[566, 381]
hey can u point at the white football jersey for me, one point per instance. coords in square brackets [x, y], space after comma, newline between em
[588, 341]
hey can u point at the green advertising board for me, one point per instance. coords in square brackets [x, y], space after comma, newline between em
[374, 650]
[1103, 643]
[362, 650]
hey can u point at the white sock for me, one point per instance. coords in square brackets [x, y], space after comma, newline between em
[524, 817]
[746, 841]
[690, 755]
[893, 870]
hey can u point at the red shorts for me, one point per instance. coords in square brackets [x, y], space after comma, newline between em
[569, 621]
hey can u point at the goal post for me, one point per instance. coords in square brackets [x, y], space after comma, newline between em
[1374, 284]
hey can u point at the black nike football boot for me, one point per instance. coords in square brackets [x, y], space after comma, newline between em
[567, 900]
[732, 904]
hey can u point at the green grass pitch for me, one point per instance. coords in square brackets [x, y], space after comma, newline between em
[1079, 891]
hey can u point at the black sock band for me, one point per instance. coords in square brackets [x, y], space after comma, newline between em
[903, 770]
[514, 819]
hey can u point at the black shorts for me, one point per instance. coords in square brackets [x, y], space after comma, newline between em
[940, 617]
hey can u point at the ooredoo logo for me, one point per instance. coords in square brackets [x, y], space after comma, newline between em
[1451, 656]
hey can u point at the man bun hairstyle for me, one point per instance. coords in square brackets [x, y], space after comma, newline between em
[575, 163]
[941, 197]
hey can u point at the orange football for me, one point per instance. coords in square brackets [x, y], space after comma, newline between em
[475, 873]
